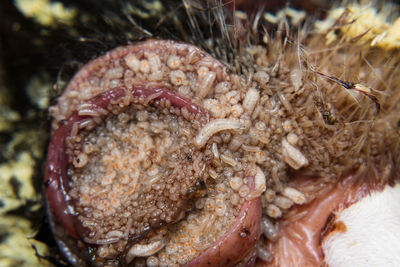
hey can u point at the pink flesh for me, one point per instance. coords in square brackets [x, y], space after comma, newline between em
[176, 100]
[56, 178]
[299, 241]
[239, 240]
[302, 231]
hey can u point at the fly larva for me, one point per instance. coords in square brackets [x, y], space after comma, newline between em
[231, 92]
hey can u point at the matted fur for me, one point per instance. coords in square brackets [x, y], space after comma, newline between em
[340, 130]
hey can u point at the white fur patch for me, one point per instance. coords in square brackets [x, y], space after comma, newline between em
[372, 236]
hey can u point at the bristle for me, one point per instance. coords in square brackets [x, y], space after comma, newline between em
[320, 98]
[347, 92]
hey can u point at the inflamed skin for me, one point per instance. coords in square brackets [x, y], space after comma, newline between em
[272, 151]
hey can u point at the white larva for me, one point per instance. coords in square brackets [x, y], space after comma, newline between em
[178, 78]
[250, 100]
[268, 229]
[144, 66]
[294, 195]
[114, 73]
[114, 233]
[292, 156]
[292, 138]
[214, 149]
[229, 160]
[155, 62]
[260, 181]
[81, 160]
[273, 211]
[174, 62]
[139, 250]
[88, 112]
[263, 253]
[236, 183]
[106, 241]
[296, 76]
[205, 81]
[283, 202]
[132, 62]
[214, 127]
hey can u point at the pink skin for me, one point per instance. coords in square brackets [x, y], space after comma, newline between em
[56, 178]
[227, 251]
[303, 229]
[176, 100]
[151, 45]
[238, 241]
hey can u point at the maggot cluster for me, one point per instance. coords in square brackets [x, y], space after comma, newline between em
[179, 140]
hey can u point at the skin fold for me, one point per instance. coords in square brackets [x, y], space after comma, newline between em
[228, 250]
[334, 51]
[238, 242]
